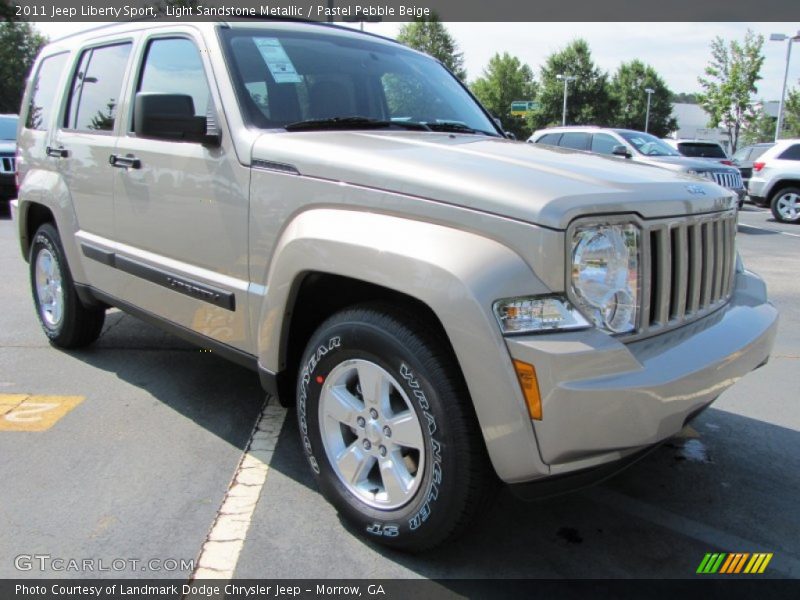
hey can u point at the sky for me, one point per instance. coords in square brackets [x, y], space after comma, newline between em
[678, 51]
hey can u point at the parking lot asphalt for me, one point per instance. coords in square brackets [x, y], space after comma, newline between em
[140, 461]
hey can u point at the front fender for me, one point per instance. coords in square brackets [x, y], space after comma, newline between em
[458, 274]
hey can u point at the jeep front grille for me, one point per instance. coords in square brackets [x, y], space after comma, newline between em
[687, 270]
[731, 180]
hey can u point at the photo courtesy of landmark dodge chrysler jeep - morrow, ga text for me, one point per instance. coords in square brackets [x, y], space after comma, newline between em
[444, 306]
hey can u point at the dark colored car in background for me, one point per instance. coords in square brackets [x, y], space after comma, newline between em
[8, 149]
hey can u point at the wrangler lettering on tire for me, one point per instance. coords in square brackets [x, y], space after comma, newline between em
[386, 424]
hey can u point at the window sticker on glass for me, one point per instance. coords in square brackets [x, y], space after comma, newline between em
[277, 60]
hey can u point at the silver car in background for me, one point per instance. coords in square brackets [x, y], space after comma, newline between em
[642, 148]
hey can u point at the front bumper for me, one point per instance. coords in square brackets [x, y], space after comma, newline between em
[603, 400]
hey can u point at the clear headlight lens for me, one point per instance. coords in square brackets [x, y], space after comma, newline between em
[605, 274]
[707, 174]
[532, 313]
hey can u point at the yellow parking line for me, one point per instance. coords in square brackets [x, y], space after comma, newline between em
[26, 412]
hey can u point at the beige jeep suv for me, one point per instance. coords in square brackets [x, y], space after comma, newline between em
[444, 306]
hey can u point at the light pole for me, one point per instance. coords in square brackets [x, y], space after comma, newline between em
[780, 37]
[647, 114]
[566, 79]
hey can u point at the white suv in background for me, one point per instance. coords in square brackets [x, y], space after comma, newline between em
[776, 180]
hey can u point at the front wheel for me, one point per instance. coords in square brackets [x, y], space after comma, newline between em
[65, 320]
[785, 205]
[388, 429]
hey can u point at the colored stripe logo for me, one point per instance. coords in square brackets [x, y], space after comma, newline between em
[731, 563]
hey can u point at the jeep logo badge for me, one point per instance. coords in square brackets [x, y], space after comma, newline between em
[696, 190]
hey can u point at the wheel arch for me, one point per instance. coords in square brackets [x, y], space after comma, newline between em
[328, 259]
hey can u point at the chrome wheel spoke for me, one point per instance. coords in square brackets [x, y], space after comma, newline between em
[374, 386]
[343, 406]
[396, 479]
[354, 464]
[406, 431]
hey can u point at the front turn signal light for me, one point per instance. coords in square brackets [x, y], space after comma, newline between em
[530, 388]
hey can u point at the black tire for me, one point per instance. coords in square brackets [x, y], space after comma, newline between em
[456, 479]
[78, 325]
[780, 195]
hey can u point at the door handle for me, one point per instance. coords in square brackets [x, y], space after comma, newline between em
[59, 152]
[125, 162]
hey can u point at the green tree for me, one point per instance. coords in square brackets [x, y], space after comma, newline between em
[504, 80]
[760, 128]
[629, 99]
[589, 101]
[730, 83]
[19, 45]
[791, 115]
[431, 36]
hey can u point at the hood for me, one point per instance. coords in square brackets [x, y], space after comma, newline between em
[683, 163]
[538, 184]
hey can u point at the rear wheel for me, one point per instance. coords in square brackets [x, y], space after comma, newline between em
[785, 205]
[388, 428]
[65, 320]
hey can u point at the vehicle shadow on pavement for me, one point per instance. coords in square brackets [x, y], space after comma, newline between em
[220, 396]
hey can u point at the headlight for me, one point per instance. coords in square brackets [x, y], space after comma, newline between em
[706, 174]
[528, 314]
[605, 274]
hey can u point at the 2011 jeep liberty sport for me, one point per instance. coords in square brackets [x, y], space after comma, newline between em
[444, 306]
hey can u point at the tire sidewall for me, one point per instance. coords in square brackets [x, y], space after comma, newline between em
[426, 513]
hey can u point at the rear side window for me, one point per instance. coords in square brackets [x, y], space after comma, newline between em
[45, 89]
[701, 150]
[602, 143]
[96, 88]
[575, 140]
[174, 66]
[791, 153]
[550, 139]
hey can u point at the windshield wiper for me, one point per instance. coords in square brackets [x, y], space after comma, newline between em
[353, 123]
[455, 127]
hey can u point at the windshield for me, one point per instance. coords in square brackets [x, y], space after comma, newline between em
[289, 77]
[648, 145]
[700, 150]
[8, 128]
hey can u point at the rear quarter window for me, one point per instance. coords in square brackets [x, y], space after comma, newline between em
[551, 139]
[791, 153]
[44, 92]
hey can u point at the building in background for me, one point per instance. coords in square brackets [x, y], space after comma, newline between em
[693, 125]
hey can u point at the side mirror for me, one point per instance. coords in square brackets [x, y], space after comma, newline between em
[511, 135]
[170, 117]
[621, 150]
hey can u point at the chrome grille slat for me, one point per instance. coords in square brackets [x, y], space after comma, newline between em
[680, 262]
[696, 262]
[687, 270]
[7, 164]
[716, 228]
